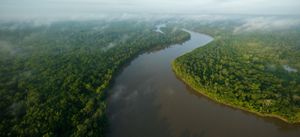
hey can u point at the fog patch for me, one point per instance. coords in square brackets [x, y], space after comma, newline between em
[158, 28]
[208, 17]
[109, 46]
[107, 17]
[174, 29]
[266, 23]
[289, 69]
[7, 47]
[124, 38]
[101, 28]
[41, 23]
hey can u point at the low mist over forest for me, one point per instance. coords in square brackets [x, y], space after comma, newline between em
[61, 61]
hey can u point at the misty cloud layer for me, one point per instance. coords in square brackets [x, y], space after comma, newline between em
[94, 8]
[267, 23]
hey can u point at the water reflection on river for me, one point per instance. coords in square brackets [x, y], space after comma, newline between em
[147, 100]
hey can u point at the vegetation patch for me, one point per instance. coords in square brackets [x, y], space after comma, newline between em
[53, 77]
[245, 70]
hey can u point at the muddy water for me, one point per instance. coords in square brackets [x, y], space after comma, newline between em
[147, 100]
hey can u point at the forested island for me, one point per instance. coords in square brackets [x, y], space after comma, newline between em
[254, 70]
[53, 76]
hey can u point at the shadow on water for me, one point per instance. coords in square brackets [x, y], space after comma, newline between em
[138, 110]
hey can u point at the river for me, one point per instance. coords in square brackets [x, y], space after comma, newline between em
[147, 100]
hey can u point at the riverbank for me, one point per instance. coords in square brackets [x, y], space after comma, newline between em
[205, 92]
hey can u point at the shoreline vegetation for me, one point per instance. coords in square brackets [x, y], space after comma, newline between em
[54, 77]
[234, 70]
[202, 91]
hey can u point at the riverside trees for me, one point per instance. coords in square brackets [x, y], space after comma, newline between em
[246, 70]
[53, 77]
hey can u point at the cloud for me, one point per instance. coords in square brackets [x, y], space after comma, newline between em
[267, 23]
[82, 8]
[207, 17]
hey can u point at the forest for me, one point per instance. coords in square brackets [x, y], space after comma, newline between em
[257, 70]
[53, 77]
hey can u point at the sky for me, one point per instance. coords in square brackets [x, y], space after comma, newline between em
[85, 8]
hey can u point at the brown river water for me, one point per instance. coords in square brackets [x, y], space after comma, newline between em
[147, 100]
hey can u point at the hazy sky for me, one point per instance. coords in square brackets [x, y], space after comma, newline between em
[62, 8]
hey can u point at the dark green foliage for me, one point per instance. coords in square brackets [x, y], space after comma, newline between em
[52, 78]
[245, 70]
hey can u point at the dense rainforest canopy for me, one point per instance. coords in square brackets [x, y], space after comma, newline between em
[255, 70]
[53, 76]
